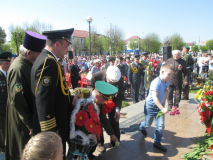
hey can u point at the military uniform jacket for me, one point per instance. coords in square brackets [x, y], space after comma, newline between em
[101, 76]
[135, 78]
[178, 71]
[19, 111]
[122, 69]
[52, 108]
[3, 94]
[144, 64]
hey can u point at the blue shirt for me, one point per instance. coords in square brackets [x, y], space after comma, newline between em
[160, 87]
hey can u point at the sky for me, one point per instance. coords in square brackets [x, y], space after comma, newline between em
[190, 18]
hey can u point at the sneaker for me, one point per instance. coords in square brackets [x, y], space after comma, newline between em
[143, 131]
[159, 146]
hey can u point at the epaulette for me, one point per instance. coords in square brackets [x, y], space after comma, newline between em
[50, 56]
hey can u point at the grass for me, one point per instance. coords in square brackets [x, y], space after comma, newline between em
[194, 90]
[124, 104]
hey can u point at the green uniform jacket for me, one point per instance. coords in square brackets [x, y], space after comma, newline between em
[19, 108]
[3, 102]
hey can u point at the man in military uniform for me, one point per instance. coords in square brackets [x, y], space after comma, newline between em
[75, 70]
[113, 76]
[4, 66]
[19, 111]
[189, 63]
[144, 63]
[121, 66]
[175, 83]
[135, 72]
[52, 100]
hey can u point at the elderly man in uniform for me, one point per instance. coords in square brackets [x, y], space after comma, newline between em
[135, 72]
[52, 100]
[144, 63]
[189, 63]
[4, 66]
[111, 75]
[19, 121]
[175, 83]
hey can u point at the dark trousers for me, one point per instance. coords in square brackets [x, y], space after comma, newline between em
[177, 98]
[135, 92]
[74, 81]
[142, 90]
[186, 92]
[2, 133]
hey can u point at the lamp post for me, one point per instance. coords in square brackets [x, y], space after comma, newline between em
[135, 46]
[89, 20]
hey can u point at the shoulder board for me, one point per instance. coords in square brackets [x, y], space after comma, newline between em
[50, 56]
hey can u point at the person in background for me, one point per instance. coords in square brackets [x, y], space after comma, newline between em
[205, 64]
[127, 86]
[211, 63]
[75, 73]
[112, 61]
[90, 65]
[104, 66]
[95, 67]
[4, 66]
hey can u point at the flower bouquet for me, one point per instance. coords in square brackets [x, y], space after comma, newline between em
[107, 107]
[85, 128]
[173, 112]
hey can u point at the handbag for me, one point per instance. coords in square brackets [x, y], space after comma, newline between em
[89, 76]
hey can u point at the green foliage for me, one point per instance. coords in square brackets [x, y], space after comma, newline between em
[211, 75]
[2, 36]
[76, 45]
[204, 143]
[167, 41]
[5, 48]
[177, 41]
[115, 39]
[195, 48]
[133, 44]
[151, 43]
[209, 44]
[203, 48]
[124, 104]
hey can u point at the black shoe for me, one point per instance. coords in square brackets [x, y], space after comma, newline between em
[143, 131]
[112, 143]
[91, 157]
[159, 146]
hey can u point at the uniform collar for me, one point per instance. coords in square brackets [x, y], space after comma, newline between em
[4, 72]
[53, 55]
[25, 61]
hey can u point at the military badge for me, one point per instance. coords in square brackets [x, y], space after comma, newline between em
[179, 67]
[18, 87]
[46, 81]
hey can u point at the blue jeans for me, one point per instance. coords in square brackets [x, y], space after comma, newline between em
[150, 112]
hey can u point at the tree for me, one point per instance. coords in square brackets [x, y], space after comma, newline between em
[167, 41]
[203, 48]
[18, 32]
[5, 48]
[77, 45]
[96, 42]
[195, 48]
[2, 36]
[209, 44]
[114, 40]
[177, 41]
[151, 43]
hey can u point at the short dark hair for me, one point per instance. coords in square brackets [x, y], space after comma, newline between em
[51, 42]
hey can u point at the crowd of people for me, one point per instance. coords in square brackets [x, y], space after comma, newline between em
[36, 101]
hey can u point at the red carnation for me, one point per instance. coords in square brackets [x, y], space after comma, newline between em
[90, 108]
[94, 117]
[208, 113]
[211, 92]
[211, 147]
[204, 118]
[104, 109]
[210, 103]
[81, 117]
[206, 94]
[99, 132]
[110, 104]
[204, 104]
[90, 126]
[204, 99]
